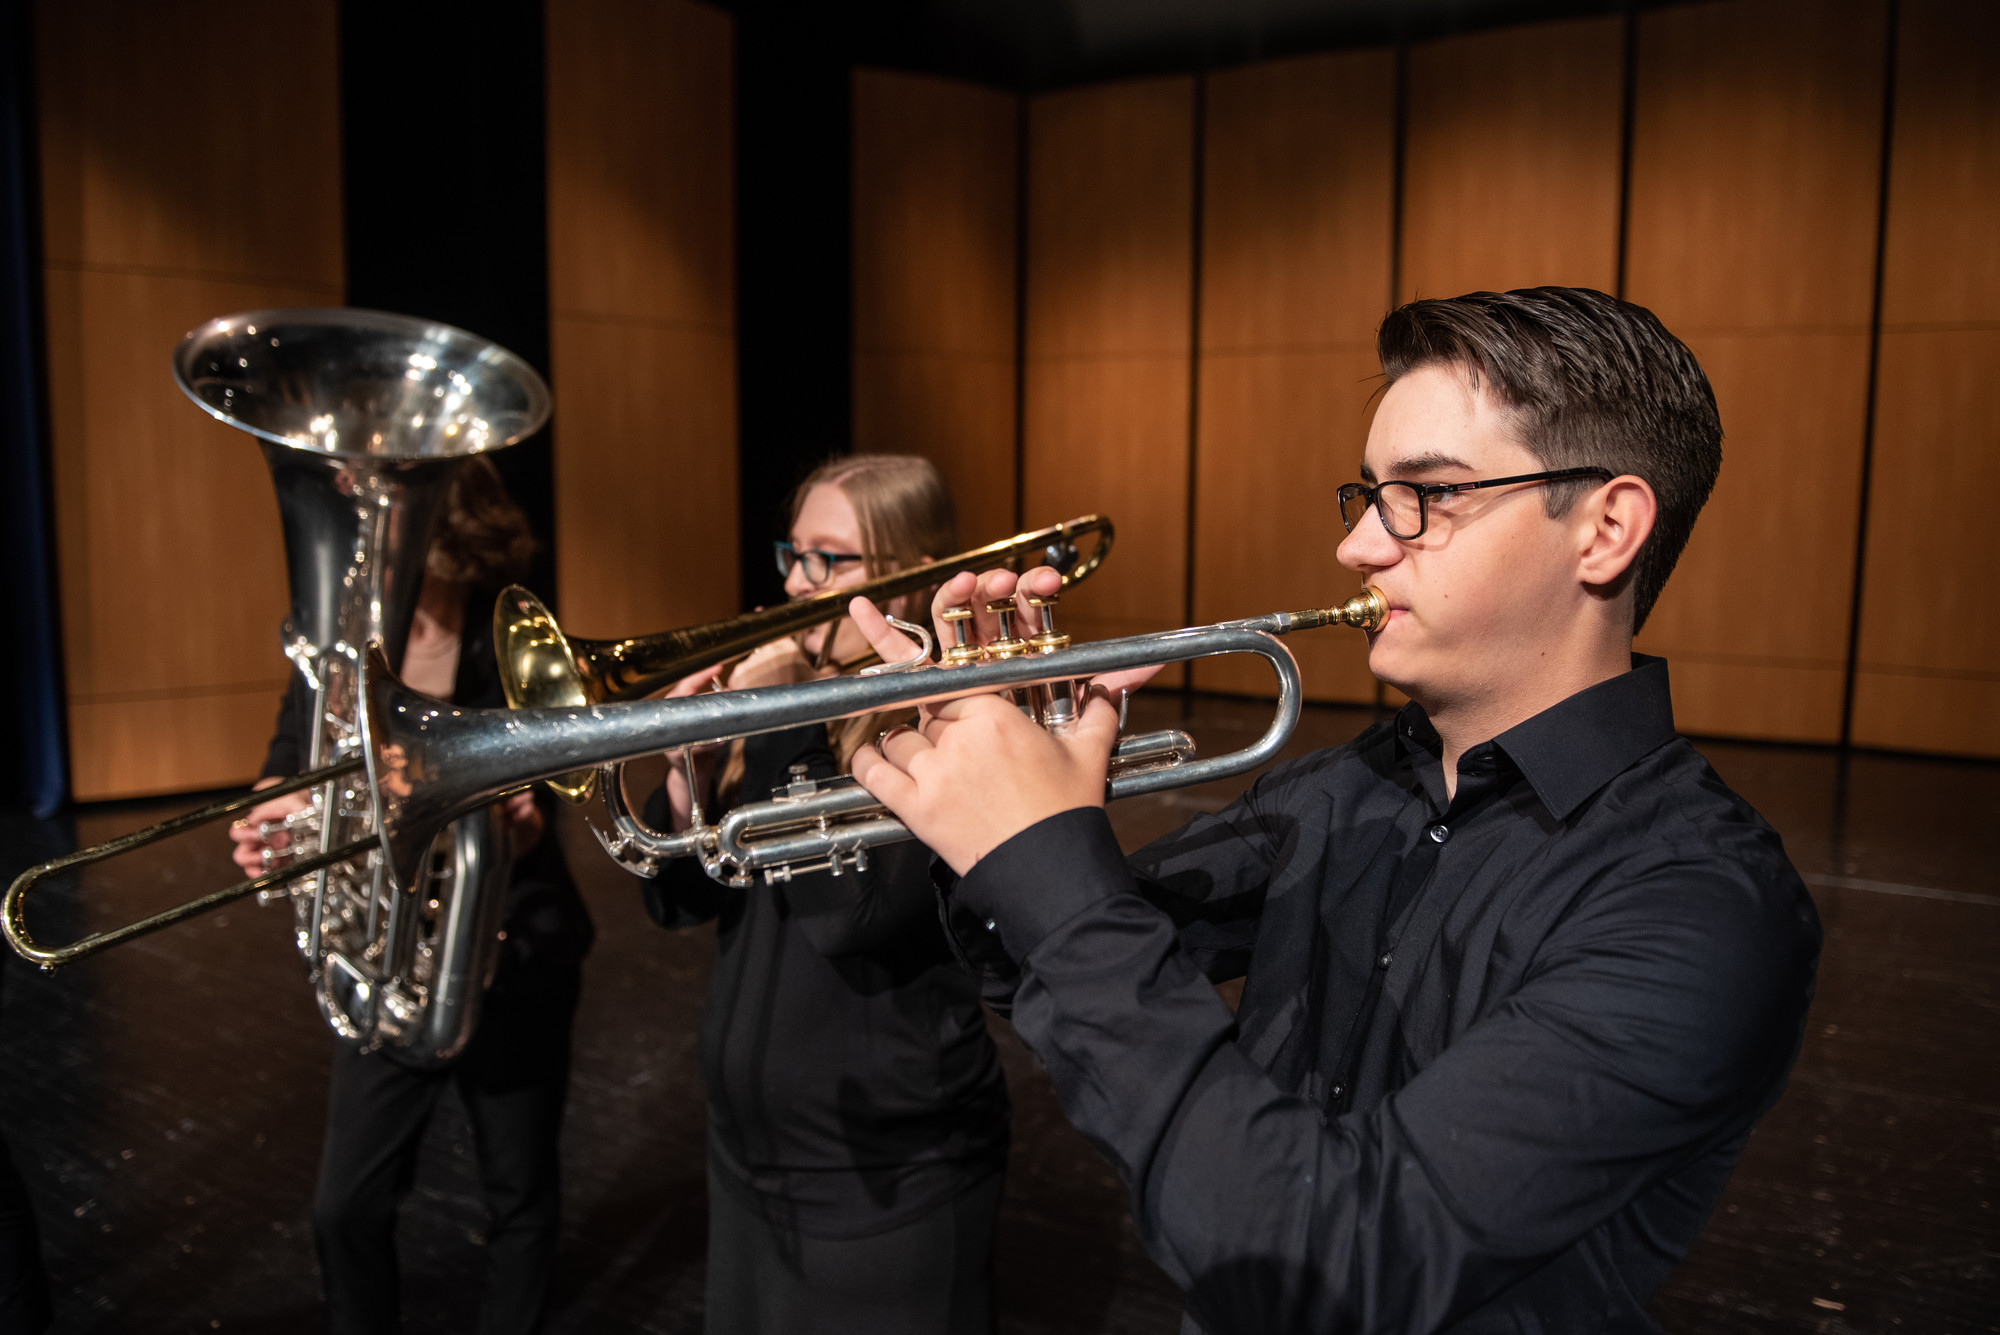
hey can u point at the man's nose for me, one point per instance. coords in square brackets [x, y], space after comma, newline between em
[1369, 546]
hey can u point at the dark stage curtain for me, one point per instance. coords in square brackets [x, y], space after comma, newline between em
[32, 760]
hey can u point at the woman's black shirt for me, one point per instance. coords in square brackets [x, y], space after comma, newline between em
[852, 1084]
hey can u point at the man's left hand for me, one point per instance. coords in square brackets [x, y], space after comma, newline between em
[978, 772]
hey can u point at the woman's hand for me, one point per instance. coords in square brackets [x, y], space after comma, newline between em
[249, 842]
[524, 821]
[680, 798]
[778, 663]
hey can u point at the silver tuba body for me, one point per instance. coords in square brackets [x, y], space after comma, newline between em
[364, 418]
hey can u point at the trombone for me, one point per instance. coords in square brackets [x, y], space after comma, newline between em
[541, 667]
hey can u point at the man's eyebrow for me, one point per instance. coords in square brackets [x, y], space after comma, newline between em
[1426, 463]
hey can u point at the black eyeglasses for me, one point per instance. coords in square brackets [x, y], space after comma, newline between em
[1405, 506]
[819, 565]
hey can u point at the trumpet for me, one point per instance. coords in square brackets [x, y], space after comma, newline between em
[541, 667]
[429, 760]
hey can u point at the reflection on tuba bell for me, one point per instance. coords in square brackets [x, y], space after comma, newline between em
[364, 418]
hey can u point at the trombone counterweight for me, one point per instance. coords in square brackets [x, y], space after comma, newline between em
[14, 912]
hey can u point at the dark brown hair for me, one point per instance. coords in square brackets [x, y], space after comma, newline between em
[1590, 380]
[481, 537]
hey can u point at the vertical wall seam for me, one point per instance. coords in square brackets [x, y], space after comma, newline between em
[1198, 146]
[1400, 133]
[1628, 114]
[1874, 373]
[1399, 120]
[1021, 143]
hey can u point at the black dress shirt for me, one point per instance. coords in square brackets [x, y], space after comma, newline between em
[852, 1086]
[1497, 1052]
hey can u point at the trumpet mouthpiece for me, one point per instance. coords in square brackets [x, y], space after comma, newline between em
[1367, 610]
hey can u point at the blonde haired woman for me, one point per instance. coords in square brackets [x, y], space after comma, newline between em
[857, 1113]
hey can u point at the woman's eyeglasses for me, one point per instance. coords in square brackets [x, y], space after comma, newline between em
[819, 565]
[1405, 506]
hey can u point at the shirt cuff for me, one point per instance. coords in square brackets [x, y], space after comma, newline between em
[1044, 876]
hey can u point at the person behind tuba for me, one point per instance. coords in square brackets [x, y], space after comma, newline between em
[858, 1119]
[1521, 972]
[513, 1077]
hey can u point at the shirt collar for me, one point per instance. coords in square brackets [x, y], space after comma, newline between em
[1572, 749]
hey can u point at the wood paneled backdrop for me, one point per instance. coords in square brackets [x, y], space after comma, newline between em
[1172, 324]
[642, 303]
[1206, 259]
[171, 566]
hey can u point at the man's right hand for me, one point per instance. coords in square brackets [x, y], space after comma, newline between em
[248, 852]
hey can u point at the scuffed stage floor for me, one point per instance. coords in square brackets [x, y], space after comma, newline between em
[165, 1101]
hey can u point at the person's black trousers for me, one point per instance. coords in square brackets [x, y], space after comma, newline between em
[24, 1286]
[512, 1080]
[931, 1276]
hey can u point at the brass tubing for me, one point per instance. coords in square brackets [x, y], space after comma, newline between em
[13, 914]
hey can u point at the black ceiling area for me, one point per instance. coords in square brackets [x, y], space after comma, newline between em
[1040, 44]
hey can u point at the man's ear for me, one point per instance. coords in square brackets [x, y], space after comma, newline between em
[1612, 524]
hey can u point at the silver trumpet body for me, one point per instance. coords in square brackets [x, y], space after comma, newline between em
[428, 760]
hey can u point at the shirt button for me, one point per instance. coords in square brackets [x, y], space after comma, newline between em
[1337, 1091]
[992, 924]
[1388, 956]
[1440, 833]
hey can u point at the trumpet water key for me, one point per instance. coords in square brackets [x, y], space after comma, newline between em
[429, 760]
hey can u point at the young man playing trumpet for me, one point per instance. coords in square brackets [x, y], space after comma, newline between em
[1521, 972]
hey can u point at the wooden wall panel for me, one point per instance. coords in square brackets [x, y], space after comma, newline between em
[935, 223]
[1512, 160]
[642, 303]
[1299, 161]
[190, 168]
[1110, 315]
[1755, 169]
[1929, 663]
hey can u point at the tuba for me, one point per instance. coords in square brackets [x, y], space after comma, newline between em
[364, 418]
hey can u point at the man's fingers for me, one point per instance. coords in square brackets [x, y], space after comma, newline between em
[954, 592]
[1131, 679]
[993, 586]
[1097, 725]
[1041, 582]
[901, 746]
[891, 644]
[887, 784]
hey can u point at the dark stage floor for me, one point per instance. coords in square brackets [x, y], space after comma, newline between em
[164, 1101]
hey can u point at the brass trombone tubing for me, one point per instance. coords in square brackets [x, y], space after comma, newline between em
[14, 911]
[629, 669]
[543, 667]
